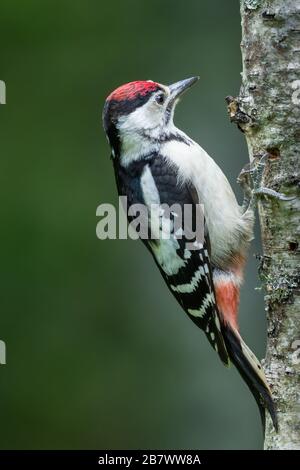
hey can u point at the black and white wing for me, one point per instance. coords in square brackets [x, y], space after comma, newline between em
[183, 262]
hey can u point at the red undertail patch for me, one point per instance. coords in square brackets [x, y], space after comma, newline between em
[228, 297]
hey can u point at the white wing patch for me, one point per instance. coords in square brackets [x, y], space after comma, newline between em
[166, 255]
[166, 246]
[150, 192]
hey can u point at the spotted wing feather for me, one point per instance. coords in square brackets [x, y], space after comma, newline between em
[186, 271]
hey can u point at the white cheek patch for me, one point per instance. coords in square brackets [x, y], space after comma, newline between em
[148, 116]
[144, 121]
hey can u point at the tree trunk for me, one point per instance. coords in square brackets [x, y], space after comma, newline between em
[268, 112]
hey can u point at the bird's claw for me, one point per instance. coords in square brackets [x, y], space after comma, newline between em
[272, 194]
[250, 179]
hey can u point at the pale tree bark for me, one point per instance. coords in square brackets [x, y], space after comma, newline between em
[268, 112]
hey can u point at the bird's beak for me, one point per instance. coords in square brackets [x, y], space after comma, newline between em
[178, 88]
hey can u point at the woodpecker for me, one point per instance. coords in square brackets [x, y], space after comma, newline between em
[157, 163]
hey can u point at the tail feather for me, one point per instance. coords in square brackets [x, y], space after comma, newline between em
[214, 335]
[251, 371]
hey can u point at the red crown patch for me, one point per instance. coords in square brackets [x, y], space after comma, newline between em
[132, 90]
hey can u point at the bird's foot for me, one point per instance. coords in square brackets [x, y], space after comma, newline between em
[251, 179]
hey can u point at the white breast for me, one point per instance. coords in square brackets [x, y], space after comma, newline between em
[223, 214]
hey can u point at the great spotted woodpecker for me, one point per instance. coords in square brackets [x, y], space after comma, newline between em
[156, 163]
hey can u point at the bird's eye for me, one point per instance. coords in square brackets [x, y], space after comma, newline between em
[160, 98]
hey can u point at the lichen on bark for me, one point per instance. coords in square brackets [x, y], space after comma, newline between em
[267, 110]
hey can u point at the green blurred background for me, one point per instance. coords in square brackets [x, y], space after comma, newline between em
[99, 355]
